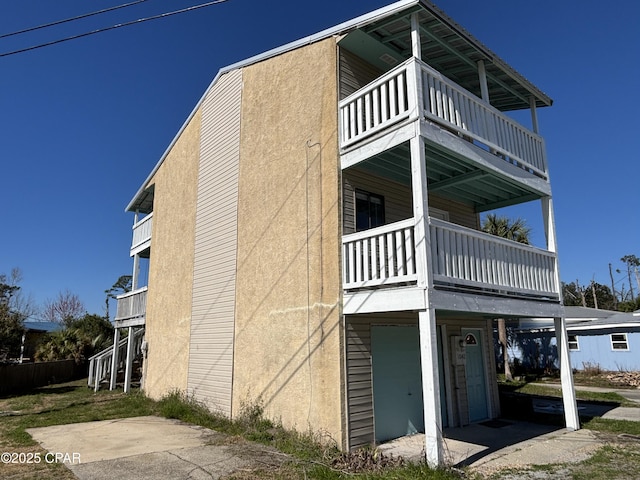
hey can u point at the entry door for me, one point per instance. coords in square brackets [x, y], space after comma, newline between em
[397, 381]
[476, 381]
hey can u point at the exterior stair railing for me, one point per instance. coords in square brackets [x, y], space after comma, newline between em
[100, 363]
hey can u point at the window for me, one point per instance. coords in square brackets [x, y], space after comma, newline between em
[369, 210]
[439, 214]
[619, 341]
[573, 342]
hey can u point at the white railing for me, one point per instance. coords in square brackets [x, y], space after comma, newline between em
[380, 256]
[394, 96]
[100, 363]
[378, 105]
[448, 103]
[142, 231]
[467, 257]
[460, 256]
[132, 304]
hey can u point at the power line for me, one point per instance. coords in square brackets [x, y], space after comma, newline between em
[66, 20]
[112, 27]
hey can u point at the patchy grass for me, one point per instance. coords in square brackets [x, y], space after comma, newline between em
[619, 427]
[308, 455]
[312, 456]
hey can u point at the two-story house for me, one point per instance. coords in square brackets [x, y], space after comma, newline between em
[312, 233]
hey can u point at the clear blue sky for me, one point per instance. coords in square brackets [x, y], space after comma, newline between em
[84, 122]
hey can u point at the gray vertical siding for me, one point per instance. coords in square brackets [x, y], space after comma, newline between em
[360, 415]
[397, 200]
[214, 278]
[355, 73]
[359, 372]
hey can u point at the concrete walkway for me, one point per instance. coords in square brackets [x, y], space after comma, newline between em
[497, 444]
[150, 448]
[156, 448]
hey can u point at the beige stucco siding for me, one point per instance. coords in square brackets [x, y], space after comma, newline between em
[171, 265]
[287, 350]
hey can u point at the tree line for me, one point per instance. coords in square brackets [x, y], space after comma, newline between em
[80, 334]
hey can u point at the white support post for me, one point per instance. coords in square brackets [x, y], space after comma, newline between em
[571, 418]
[136, 272]
[129, 364]
[550, 233]
[416, 49]
[482, 74]
[426, 318]
[534, 115]
[566, 375]
[433, 441]
[114, 359]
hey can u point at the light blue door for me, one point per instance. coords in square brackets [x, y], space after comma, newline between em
[397, 381]
[476, 381]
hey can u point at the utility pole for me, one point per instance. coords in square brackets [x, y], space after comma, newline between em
[613, 288]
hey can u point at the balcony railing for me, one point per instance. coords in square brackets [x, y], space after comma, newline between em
[132, 305]
[380, 256]
[142, 232]
[394, 97]
[461, 258]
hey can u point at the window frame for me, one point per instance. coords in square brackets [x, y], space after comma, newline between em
[576, 347]
[369, 196]
[624, 343]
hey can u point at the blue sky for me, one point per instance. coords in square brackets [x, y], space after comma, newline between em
[83, 122]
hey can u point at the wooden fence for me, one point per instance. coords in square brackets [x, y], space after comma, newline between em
[25, 376]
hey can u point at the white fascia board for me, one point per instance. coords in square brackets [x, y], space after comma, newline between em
[335, 30]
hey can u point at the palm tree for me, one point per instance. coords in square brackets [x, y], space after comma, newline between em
[518, 231]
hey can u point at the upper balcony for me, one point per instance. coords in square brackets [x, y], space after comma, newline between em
[132, 308]
[142, 234]
[461, 259]
[413, 90]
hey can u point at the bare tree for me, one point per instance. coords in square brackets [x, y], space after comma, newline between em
[64, 309]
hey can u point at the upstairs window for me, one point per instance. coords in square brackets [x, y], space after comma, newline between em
[619, 341]
[369, 210]
[573, 342]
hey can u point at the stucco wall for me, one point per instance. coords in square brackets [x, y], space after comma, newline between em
[287, 334]
[171, 265]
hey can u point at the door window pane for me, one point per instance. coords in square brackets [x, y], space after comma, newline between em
[369, 210]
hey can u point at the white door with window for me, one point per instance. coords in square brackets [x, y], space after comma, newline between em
[475, 374]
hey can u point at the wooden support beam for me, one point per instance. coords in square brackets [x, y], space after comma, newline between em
[484, 88]
[534, 115]
[416, 48]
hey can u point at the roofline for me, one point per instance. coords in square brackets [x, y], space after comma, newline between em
[332, 31]
[350, 24]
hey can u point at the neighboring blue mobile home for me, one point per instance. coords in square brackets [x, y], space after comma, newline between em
[597, 338]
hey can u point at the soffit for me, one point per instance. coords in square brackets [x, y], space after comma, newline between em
[448, 48]
[451, 176]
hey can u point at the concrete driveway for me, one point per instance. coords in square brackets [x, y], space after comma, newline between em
[150, 448]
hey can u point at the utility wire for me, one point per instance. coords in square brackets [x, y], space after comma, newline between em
[66, 20]
[112, 27]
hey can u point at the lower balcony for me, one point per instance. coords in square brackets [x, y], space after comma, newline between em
[132, 308]
[461, 259]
